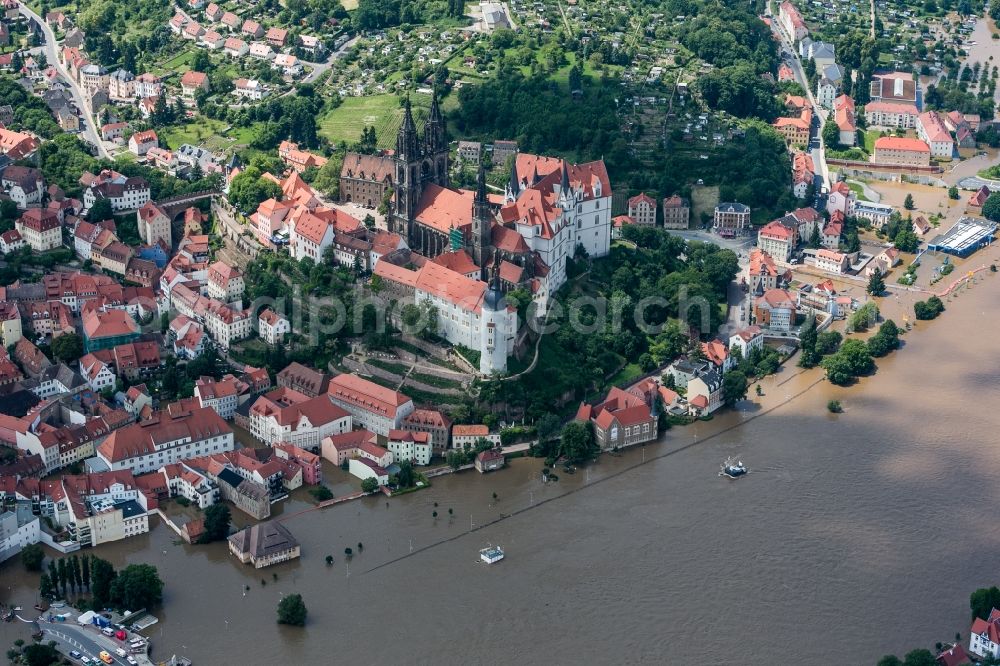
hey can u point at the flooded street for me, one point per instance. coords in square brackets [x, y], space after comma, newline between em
[844, 521]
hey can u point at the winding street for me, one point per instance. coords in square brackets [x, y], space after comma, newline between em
[816, 148]
[90, 132]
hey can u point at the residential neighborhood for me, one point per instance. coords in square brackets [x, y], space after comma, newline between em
[302, 299]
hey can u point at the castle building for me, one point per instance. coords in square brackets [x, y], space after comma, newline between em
[550, 212]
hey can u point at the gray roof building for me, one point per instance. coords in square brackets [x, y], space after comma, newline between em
[264, 544]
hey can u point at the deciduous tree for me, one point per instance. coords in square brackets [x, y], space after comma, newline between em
[734, 387]
[32, 556]
[217, 519]
[292, 610]
[137, 586]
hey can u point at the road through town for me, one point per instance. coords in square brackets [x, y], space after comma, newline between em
[89, 132]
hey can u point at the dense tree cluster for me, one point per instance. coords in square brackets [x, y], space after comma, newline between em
[885, 340]
[249, 189]
[374, 14]
[949, 95]
[928, 309]
[63, 159]
[30, 112]
[991, 209]
[537, 113]
[136, 586]
[741, 91]
[125, 34]
[852, 360]
[217, 518]
[651, 297]
[727, 35]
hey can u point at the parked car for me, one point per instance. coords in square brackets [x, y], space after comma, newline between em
[75, 654]
[106, 658]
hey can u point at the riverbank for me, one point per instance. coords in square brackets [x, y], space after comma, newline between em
[843, 521]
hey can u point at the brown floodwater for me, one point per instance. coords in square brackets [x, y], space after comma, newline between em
[854, 535]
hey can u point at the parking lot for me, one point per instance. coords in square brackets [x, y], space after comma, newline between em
[87, 642]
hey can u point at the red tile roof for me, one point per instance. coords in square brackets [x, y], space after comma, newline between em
[891, 107]
[954, 656]
[108, 324]
[450, 286]
[192, 79]
[444, 209]
[457, 261]
[366, 394]
[778, 299]
[776, 230]
[470, 431]
[140, 439]
[642, 197]
[901, 143]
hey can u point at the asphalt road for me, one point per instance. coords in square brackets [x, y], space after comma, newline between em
[738, 316]
[70, 636]
[816, 142]
[89, 132]
[319, 68]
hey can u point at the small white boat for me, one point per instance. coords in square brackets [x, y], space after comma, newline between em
[491, 554]
[733, 469]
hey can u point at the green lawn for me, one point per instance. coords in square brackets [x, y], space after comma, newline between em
[870, 137]
[196, 132]
[178, 63]
[858, 190]
[382, 112]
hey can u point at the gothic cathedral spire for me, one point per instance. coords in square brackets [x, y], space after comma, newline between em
[407, 144]
[434, 129]
[482, 221]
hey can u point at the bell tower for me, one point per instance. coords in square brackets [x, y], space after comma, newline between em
[436, 144]
[407, 182]
[482, 222]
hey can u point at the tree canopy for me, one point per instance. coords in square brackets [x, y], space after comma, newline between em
[984, 600]
[734, 387]
[217, 519]
[137, 586]
[67, 347]
[292, 610]
[876, 283]
[249, 189]
[578, 442]
[885, 340]
[991, 209]
[851, 360]
[32, 556]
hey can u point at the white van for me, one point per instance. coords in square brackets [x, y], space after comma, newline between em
[108, 631]
[120, 652]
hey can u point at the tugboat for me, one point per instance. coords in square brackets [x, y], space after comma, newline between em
[491, 554]
[733, 469]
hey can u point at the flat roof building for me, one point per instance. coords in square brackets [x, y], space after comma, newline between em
[965, 237]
